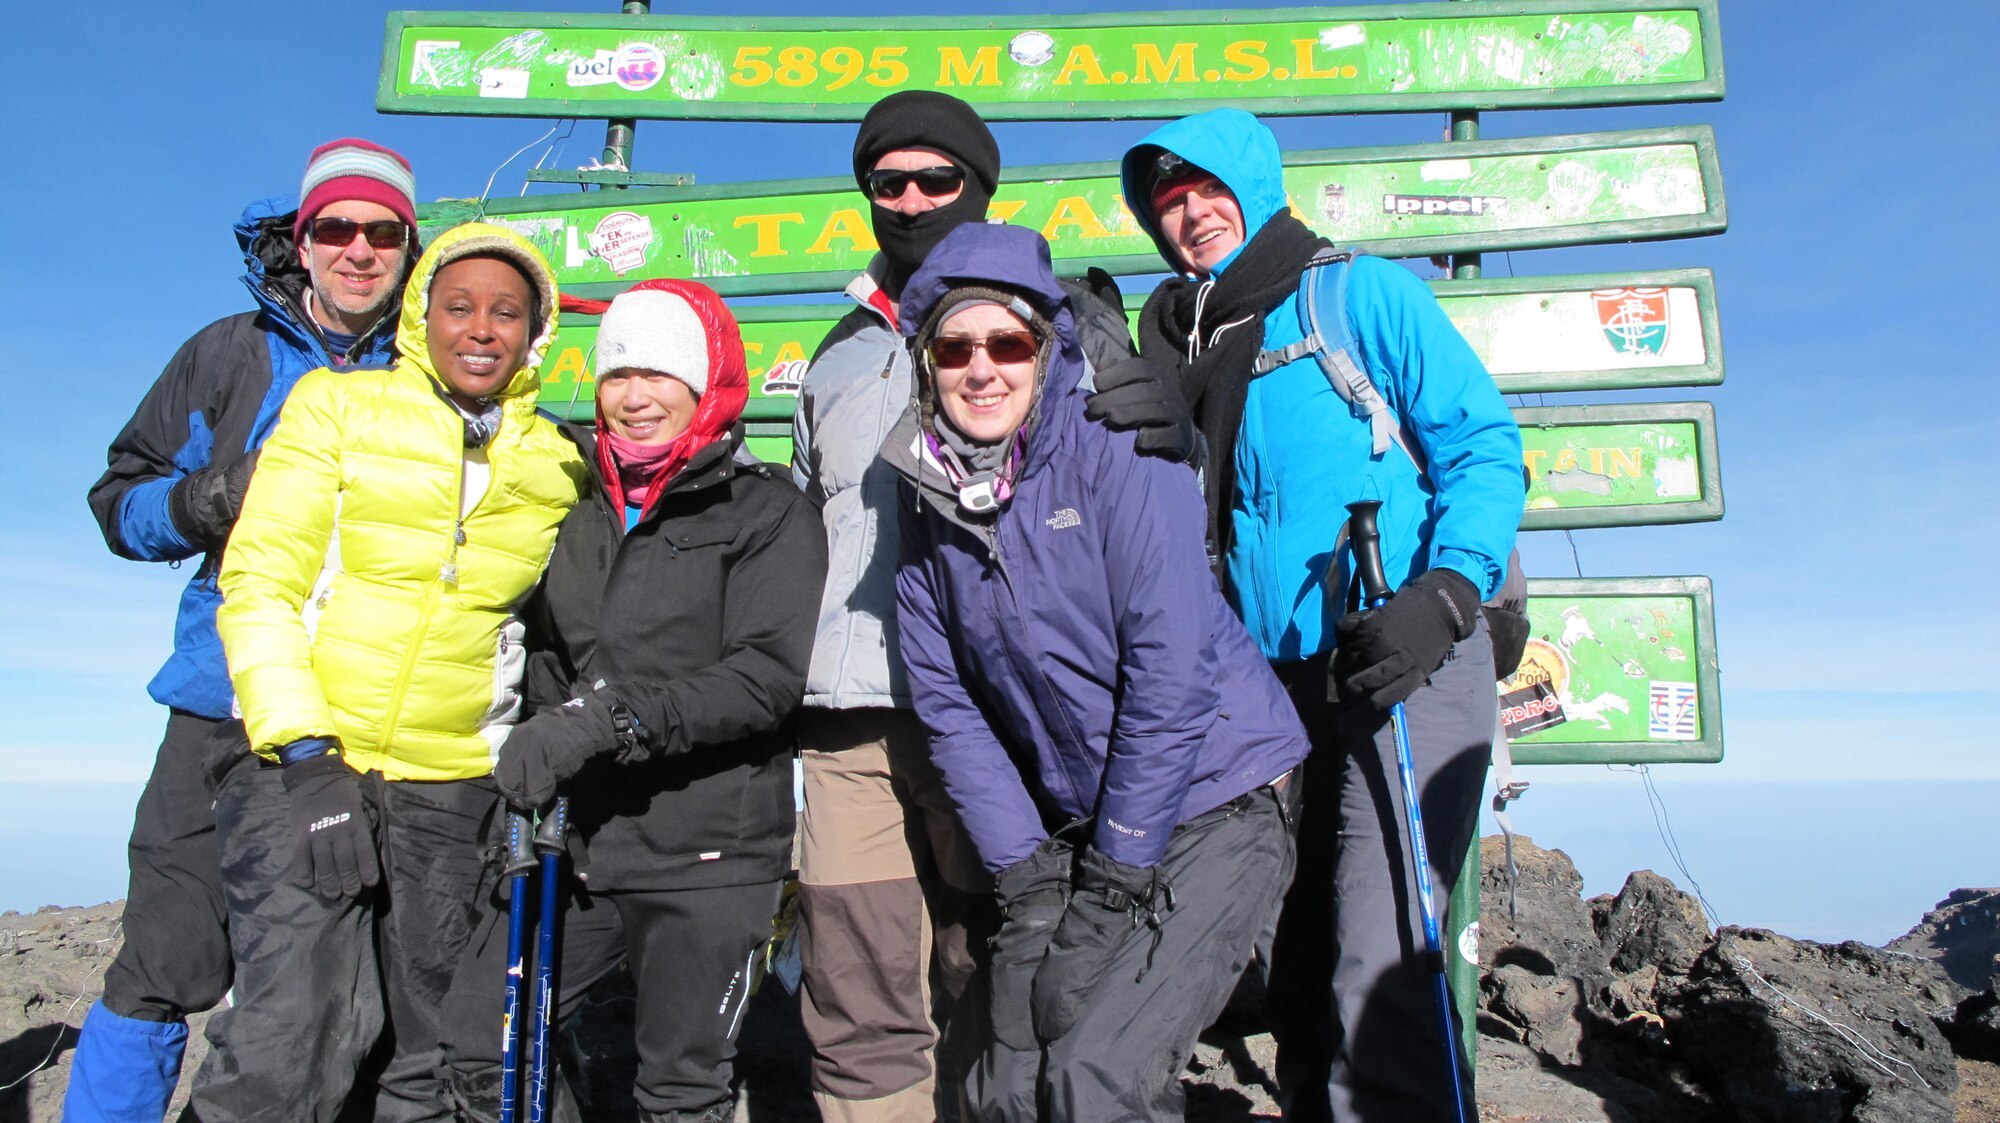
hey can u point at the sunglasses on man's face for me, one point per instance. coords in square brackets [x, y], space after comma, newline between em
[388, 234]
[888, 183]
[951, 352]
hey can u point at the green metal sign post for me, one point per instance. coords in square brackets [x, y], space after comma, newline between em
[1515, 54]
[813, 235]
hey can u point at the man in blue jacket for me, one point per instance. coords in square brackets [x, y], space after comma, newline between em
[327, 276]
[1352, 999]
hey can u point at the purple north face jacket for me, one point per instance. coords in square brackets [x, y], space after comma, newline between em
[1073, 657]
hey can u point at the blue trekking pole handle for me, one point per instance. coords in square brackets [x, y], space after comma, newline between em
[549, 846]
[520, 862]
[1366, 540]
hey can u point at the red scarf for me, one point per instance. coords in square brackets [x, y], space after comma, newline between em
[635, 473]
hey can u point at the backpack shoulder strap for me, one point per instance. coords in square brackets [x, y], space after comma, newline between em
[1334, 350]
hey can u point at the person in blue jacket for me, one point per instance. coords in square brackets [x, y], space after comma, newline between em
[1350, 996]
[326, 269]
[1108, 732]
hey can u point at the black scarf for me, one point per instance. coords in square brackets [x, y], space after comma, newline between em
[907, 239]
[1216, 381]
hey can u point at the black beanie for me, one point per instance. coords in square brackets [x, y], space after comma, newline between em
[924, 119]
[930, 120]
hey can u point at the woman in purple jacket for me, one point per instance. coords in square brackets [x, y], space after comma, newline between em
[1115, 744]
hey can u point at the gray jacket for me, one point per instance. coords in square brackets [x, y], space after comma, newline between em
[855, 391]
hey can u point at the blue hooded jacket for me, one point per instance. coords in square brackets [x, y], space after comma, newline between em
[1073, 656]
[1301, 453]
[217, 401]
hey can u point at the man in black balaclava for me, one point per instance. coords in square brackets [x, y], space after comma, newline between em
[928, 163]
[876, 814]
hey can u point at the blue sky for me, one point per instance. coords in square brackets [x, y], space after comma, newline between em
[1853, 572]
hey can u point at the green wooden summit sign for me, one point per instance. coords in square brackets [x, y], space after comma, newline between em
[813, 235]
[1600, 331]
[1620, 465]
[1480, 54]
[1617, 671]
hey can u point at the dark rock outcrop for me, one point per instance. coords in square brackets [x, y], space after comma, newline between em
[1633, 998]
[1784, 1029]
[1962, 934]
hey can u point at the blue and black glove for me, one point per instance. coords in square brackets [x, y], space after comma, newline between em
[1385, 653]
[335, 854]
[205, 503]
[554, 745]
[1112, 901]
[1032, 893]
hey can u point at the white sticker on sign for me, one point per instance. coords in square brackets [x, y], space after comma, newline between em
[503, 83]
[1468, 943]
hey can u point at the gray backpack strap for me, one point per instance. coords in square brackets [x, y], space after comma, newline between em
[1335, 353]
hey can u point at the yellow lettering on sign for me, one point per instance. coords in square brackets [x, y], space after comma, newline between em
[845, 223]
[1161, 68]
[1625, 461]
[1249, 54]
[1532, 458]
[1565, 459]
[767, 231]
[1083, 58]
[1075, 211]
[1304, 57]
[1004, 210]
[568, 367]
[954, 70]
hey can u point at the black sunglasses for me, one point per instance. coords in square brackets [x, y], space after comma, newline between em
[387, 234]
[886, 183]
[951, 352]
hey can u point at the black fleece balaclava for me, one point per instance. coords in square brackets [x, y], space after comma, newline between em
[934, 122]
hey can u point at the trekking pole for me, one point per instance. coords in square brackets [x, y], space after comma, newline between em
[520, 863]
[549, 845]
[1366, 540]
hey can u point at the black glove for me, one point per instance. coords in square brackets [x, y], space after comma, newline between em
[336, 847]
[1385, 653]
[1032, 893]
[204, 505]
[1111, 901]
[1136, 394]
[555, 744]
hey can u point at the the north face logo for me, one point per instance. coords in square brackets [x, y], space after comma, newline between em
[1067, 517]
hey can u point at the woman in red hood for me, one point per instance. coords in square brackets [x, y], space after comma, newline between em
[668, 647]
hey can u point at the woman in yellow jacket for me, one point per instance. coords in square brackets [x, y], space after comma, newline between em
[396, 520]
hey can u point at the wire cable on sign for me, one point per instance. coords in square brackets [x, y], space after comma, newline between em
[551, 153]
[488, 191]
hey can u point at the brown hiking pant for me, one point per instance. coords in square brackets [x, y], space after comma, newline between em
[886, 877]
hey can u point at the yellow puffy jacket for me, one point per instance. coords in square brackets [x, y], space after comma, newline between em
[355, 603]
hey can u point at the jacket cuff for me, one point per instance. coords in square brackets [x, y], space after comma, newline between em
[1484, 573]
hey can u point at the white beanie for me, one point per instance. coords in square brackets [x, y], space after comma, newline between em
[649, 329]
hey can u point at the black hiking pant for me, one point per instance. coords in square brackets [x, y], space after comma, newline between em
[1122, 1060]
[693, 954]
[1351, 1000]
[338, 1001]
[175, 959]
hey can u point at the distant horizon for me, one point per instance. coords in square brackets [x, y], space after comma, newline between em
[75, 841]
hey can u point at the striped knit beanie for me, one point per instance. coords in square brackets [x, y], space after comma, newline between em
[356, 169]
